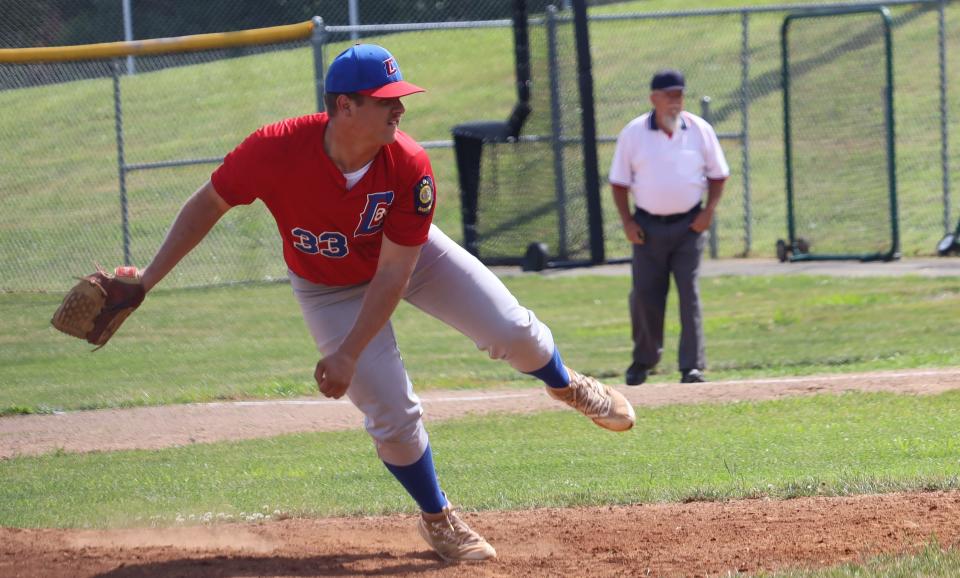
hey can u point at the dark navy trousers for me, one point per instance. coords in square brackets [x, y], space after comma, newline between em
[670, 248]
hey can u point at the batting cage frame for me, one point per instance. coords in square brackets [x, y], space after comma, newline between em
[474, 141]
[796, 247]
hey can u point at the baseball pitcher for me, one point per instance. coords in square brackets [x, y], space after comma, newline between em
[354, 198]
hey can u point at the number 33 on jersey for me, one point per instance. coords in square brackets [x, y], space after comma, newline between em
[335, 245]
[331, 235]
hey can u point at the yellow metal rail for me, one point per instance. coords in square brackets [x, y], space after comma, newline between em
[272, 35]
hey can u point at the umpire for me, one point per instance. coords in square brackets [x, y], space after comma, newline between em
[665, 160]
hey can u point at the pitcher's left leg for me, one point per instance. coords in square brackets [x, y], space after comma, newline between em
[453, 286]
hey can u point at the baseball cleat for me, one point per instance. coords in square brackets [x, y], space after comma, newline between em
[604, 405]
[453, 539]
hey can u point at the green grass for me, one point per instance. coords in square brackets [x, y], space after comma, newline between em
[250, 341]
[823, 445]
[59, 162]
[931, 562]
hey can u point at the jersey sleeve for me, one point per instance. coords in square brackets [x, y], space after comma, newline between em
[621, 173]
[408, 222]
[716, 162]
[243, 176]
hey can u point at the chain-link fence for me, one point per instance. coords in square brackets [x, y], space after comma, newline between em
[532, 189]
[29, 23]
[734, 58]
[841, 197]
[111, 157]
[60, 166]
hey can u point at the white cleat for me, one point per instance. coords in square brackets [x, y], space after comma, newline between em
[604, 405]
[453, 539]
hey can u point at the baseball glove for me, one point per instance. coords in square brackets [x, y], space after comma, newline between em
[99, 303]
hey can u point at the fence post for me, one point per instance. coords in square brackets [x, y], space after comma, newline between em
[128, 34]
[745, 132]
[944, 111]
[354, 16]
[317, 40]
[121, 161]
[556, 121]
[705, 113]
[589, 123]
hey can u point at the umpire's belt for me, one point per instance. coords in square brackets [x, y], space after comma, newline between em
[667, 218]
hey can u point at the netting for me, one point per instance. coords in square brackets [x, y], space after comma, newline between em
[836, 67]
[533, 190]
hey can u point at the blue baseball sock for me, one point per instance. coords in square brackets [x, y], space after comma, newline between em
[420, 481]
[554, 374]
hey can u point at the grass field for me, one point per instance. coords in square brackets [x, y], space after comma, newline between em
[931, 562]
[247, 341]
[208, 344]
[826, 445]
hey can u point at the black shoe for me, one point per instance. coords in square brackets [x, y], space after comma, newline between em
[692, 376]
[636, 374]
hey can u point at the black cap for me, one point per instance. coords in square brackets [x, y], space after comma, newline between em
[667, 79]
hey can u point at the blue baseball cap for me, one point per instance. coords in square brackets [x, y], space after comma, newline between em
[370, 70]
[667, 79]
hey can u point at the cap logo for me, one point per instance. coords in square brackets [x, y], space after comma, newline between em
[390, 65]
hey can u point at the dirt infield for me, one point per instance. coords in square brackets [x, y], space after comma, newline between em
[695, 539]
[168, 426]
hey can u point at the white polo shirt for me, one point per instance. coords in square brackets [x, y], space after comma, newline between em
[667, 174]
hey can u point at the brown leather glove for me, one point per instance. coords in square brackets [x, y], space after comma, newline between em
[99, 303]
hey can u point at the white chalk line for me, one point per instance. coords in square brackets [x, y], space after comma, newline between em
[485, 397]
[812, 380]
[844, 377]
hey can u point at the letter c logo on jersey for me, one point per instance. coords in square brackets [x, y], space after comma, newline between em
[371, 219]
[423, 195]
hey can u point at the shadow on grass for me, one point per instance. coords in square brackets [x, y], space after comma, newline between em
[372, 564]
[771, 82]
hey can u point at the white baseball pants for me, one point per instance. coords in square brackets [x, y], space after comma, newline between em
[450, 284]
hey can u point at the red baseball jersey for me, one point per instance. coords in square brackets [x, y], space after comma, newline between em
[330, 235]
